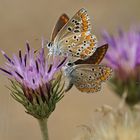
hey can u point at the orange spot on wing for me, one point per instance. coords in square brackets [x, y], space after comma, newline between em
[90, 48]
[92, 40]
[102, 78]
[86, 52]
[92, 44]
[83, 55]
[88, 89]
[83, 16]
[85, 28]
[85, 24]
[84, 20]
[83, 34]
[88, 37]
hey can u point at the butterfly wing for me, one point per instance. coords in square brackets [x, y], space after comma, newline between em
[74, 34]
[78, 45]
[63, 19]
[96, 57]
[88, 78]
[78, 23]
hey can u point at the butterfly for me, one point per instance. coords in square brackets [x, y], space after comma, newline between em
[87, 75]
[72, 37]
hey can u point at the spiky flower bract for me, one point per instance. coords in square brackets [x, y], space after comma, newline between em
[35, 81]
[124, 57]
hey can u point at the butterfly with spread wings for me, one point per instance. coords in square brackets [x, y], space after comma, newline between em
[72, 37]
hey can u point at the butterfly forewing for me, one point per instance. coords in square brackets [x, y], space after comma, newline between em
[78, 23]
[96, 57]
[88, 78]
[63, 19]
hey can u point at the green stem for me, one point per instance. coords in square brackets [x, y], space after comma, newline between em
[44, 128]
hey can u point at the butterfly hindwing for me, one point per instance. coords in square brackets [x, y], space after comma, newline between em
[96, 57]
[78, 45]
[88, 78]
[63, 19]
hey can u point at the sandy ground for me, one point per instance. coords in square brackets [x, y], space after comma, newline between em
[22, 20]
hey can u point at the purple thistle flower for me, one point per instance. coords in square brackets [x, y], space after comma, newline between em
[124, 52]
[35, 80]
[124, 57]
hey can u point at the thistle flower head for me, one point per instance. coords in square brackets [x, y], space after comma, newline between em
[35, 83]
[124, 57]
[124, 52]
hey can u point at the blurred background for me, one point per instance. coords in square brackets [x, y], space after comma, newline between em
[22, 20]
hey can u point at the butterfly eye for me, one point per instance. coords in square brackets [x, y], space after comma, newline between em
[69, 64]
[49, 44]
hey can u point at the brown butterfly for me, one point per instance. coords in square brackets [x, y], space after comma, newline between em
[87, 77]
[78, 73]
[95, 58]
[73, 37]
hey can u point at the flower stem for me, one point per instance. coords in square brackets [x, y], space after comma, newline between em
[44, 128]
